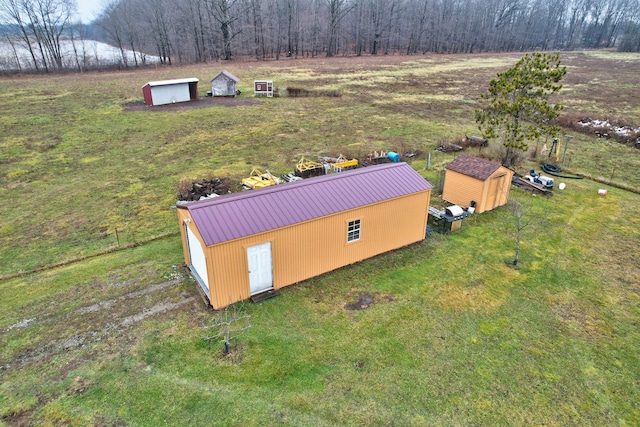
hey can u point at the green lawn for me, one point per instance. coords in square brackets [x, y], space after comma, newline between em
[454, 336]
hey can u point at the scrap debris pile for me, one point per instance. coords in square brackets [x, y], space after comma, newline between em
[466, 142]
[448, 147]
[203, 189]
[545, 181]
[606, 129]
[308, 168]
[209, 188]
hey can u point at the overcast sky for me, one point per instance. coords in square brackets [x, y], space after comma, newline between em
[88, 10]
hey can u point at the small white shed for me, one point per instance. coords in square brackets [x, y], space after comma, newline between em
[224, 84]
[170, 91]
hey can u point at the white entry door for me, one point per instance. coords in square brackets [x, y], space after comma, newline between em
[197, 261]
[260, 268]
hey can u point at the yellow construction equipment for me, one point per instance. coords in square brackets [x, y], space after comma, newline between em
[257, 179]
[343, 164]
[306, 168]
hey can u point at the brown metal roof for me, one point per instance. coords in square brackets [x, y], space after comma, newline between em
[474, 167]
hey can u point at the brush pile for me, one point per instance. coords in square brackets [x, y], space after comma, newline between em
[448, 147]
[203, 189]
[297, 92]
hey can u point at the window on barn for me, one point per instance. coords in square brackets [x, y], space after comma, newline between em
[353, 231]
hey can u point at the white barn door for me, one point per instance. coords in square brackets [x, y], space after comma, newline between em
[260, 268]
[197, 261]
[170, 93]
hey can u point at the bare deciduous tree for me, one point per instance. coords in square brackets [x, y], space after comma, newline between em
[40, 24]
[185, 31]
[110, 21]
[224, 14]
[525, 217]
[227, 324]
[338, 9]
[12, 12]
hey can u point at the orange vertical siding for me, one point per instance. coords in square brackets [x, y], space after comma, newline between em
[308, 249]
[461, 189]
[182, 215]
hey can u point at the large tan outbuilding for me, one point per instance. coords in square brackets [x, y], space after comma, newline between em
[244, 244]
[470, 178]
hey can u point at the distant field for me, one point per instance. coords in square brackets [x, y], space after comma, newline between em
[454, 337]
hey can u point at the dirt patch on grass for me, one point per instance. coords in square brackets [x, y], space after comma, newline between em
[18, 419]
[581, 320]
[106, 304]
[88, 338]
[111, 322]
[364, 301]
[204, 102]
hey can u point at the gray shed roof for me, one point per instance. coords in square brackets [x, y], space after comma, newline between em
[226, 74]
[243, 214]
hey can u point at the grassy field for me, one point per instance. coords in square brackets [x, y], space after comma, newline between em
[454, 336]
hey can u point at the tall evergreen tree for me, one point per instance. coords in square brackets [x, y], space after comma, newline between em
[518, 108]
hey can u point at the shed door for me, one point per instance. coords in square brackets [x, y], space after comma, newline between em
[197, 261]
[170, 93]
[494, 196]
[260, 268]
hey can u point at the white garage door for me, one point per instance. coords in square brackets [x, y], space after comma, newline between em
[197, 261]
[170, 93]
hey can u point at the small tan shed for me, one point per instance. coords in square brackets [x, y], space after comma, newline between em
[246, 244]
[470, 178]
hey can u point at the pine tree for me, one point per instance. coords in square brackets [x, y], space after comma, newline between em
[517, 108]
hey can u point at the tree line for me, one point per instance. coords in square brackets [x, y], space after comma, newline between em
[188, 31]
